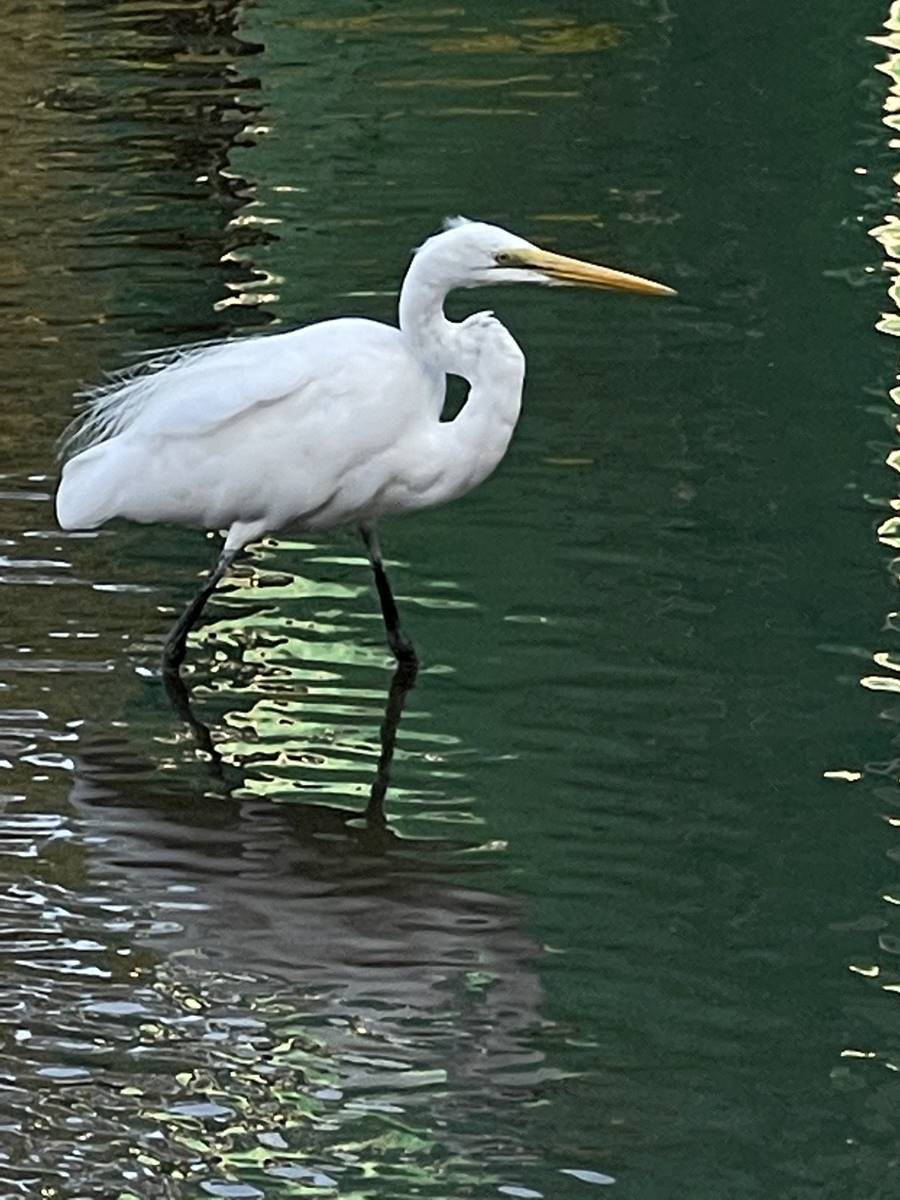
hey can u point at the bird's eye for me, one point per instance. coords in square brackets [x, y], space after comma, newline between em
[503, 258]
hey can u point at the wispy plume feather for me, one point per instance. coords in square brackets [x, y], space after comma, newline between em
[114, 405]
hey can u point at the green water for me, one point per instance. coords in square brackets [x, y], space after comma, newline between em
[633, 922]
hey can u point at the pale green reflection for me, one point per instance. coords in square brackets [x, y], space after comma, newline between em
[290, 688]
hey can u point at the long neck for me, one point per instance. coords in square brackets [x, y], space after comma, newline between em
[421, 315]
[481, 351]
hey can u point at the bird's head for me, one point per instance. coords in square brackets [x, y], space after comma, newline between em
[475, 254]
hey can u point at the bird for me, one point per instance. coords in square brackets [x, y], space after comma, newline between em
[335, 423]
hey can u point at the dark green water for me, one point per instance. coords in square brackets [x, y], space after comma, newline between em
[633, 923]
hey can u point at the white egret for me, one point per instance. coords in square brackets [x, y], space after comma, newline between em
[335, 423]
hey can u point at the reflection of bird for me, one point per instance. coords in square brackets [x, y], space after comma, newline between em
[334, 423]
[106, 760]
[402, 681]
[380, 962]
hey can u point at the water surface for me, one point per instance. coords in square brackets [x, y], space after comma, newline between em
[631, 922]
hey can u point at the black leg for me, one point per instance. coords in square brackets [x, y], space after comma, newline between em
[400, 645]
[174, 649]
[404, 678]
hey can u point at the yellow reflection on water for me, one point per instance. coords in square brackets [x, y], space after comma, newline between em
[562, 37]
[887, 234]
[887, 685]
[463, 83]
[462, 32]
[410, 20]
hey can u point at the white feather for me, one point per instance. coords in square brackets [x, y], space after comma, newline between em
[197, 386]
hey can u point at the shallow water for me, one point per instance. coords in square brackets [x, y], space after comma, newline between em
[631, 922]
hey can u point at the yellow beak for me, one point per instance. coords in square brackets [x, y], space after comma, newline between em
[561, 269]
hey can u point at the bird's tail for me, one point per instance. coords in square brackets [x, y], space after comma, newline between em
[86, 496]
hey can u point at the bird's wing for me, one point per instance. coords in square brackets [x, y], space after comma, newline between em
[189, 392]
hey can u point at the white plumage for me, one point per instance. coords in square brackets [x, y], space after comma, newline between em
[263, 432]
[334, 423]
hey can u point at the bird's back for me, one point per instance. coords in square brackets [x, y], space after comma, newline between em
[266, 428]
